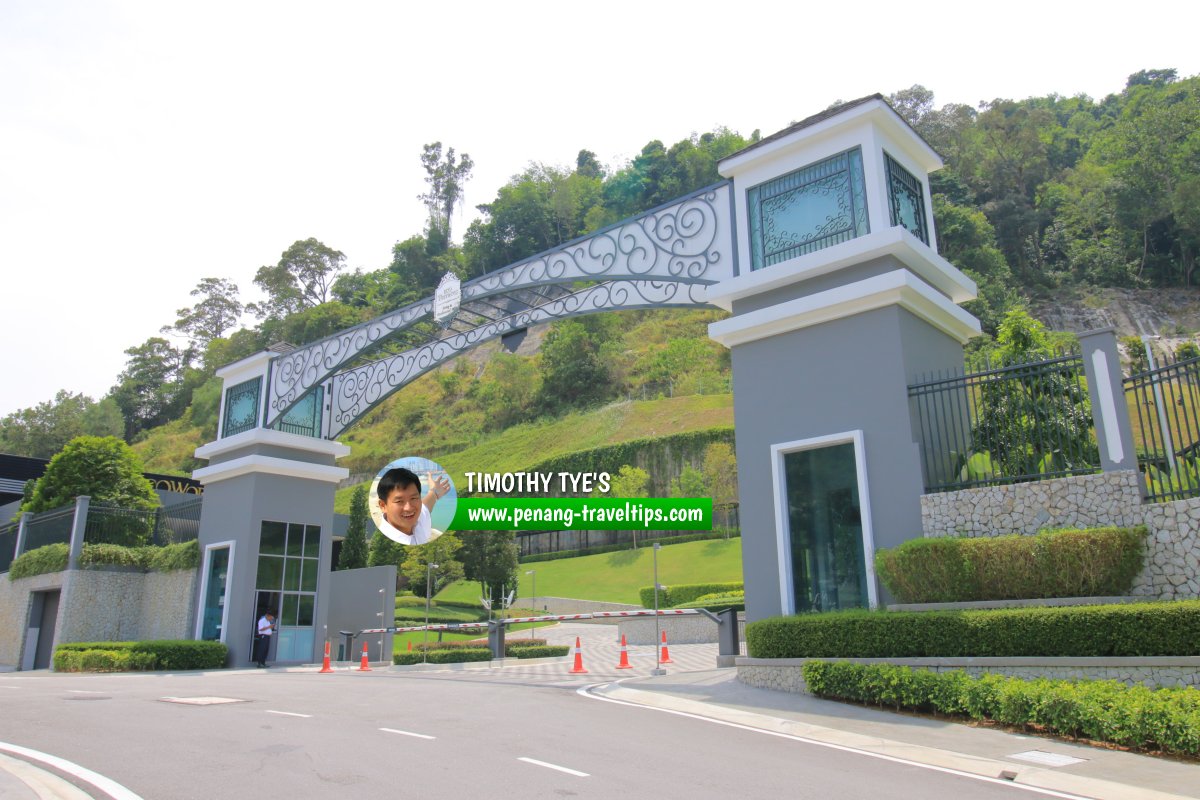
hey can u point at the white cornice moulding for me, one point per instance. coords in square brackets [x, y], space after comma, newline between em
[270, 466]
[245, 368]
[267, 436]
[899, 287]
[896, 242]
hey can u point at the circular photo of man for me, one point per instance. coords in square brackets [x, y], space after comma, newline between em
[413, 500]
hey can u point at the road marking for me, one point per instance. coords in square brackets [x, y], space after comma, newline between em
[83, 691]
[548, 765]
[10, 687]
[111, 787]
[288, 713]
[407, 733]
[586, 691]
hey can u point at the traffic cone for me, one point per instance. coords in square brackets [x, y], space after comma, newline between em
[325, 664]
[578, 668]
[624, 663]
[666, 657]
[410, 645]
[363, 666]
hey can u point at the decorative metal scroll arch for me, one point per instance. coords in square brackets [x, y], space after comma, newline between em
[689, 241]
[356, 391]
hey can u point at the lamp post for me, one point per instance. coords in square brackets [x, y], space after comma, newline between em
[533, 572]
[1162, 412]
[382, 620]
[658, 670]
[429, 568]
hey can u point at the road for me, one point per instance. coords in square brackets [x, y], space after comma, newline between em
[384, 733]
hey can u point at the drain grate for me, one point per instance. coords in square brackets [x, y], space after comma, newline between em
[202, 701]
[1048, 759]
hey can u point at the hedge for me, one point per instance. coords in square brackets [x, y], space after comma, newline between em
[717, 533]
[509, 645]
[1054, 563]
[168, 654]
[1105, 711]
[546, 651]
[39, 561]
[673, 596]
[1136, 629]
[454, 655]
[103, 661]
[149, 558]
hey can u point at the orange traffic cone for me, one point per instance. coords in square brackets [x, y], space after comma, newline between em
[666, 657]
[410, 645]
[325, 664]
[578, 668]
[624, 663]
[363, 666]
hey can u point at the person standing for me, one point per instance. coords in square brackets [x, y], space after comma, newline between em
[262, 638]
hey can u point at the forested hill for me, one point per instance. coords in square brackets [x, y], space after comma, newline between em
[1040, 198]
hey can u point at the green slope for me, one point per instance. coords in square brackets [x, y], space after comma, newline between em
[617, 577]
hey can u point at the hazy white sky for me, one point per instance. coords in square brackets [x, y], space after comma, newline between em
[147, 145]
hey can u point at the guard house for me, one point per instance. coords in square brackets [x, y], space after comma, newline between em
[266, 524]
[840, 300]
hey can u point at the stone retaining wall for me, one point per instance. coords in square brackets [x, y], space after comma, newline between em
[1172, 570]
[15, 598]
[785, 674]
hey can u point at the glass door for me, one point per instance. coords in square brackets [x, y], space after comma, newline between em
[216, 580]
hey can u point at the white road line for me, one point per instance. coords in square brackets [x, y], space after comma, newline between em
[407, 733]
[548, 765]
[83, 691]
[288, 713]
[10, 687]
[111, 787]
[585, 691]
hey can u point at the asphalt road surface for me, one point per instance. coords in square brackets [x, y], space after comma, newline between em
[400, 735]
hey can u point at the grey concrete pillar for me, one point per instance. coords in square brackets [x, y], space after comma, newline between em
[78, 526]
[1102, 366]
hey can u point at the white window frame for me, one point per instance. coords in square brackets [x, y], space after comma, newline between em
[206, 566]
[787, 591]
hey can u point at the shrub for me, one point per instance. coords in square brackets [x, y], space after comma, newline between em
[185, 555]
[39, 561]
[718, 601]
[672, 596]
[1107, 711]
[454, 655]
[113, 555]
[1054, 563]
[1136, 629]
[173, 654]
[546, 651]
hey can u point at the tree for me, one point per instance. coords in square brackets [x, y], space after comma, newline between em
[720, 473]
[150, 390]
[217, 312]
[103, 468]
[574, 369]
[630, 482]
[446, 177]
[384, 551]
[967, 240]
[690, 483]
[302, 278]
[490, 559]
[43, 430]
[354, 547]
[440, 551]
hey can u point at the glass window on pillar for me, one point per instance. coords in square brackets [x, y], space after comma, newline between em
[906, 200]
[241, 407]
[812, 208]
[825, 529]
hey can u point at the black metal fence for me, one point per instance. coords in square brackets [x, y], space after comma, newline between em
[49, 527]
[8, 544]
[161, 526]
[1163, 405]
[1010, 424]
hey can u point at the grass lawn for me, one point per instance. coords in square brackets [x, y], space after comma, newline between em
[617, 577]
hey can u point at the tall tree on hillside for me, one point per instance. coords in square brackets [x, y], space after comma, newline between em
[302, 278]
[490, 559]
[43, 430]
[217, 311]
[150, 390]
[447, 177]
[354, 547]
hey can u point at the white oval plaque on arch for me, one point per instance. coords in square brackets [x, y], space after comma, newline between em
[447, 298]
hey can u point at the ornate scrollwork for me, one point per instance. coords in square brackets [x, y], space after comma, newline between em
[358, 390]
[689, 241]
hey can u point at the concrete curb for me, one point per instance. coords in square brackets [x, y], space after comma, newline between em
[1026, 774]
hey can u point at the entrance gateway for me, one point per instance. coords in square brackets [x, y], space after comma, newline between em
[820, 242]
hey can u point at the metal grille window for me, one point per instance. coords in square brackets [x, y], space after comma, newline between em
[304, 418]
[241, 407]
[906, 200]
[812, 208]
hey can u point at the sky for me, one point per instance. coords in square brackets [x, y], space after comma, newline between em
[147, 145]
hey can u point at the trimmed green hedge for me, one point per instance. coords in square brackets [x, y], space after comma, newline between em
[103, 661]
[1054, 563]
[545, 651]
[167, 654]
[673, 596]
[1106, 711]
[149, 558]
[453, 655]
[39, 561]
[1136, 629]
[717, 533]
[509, 645]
